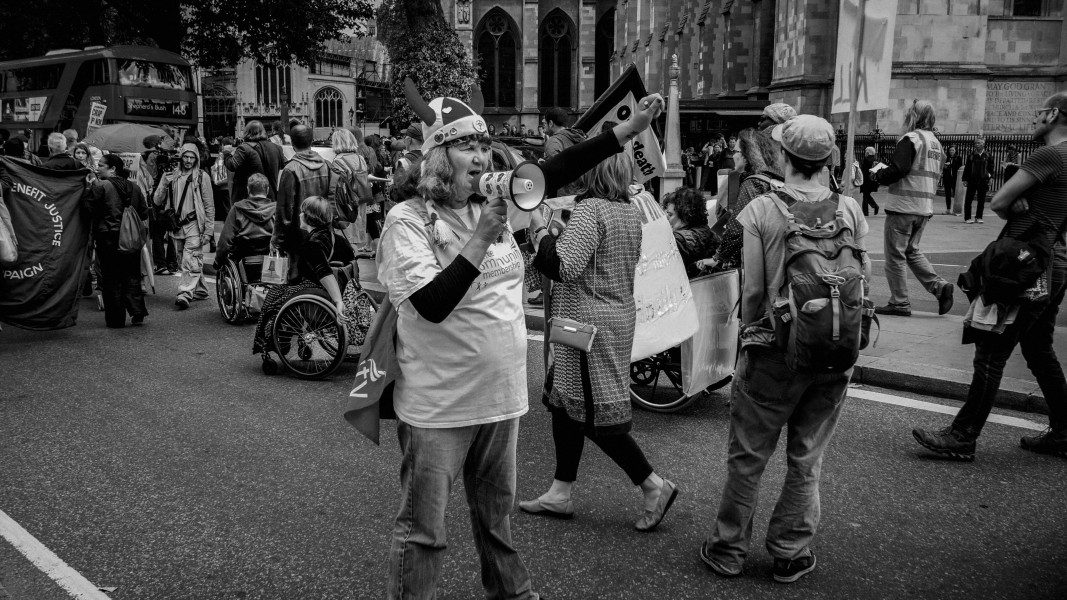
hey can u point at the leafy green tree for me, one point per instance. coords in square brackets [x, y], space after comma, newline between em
[422, 45]
[210, 33]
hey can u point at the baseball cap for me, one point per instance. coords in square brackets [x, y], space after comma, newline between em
[806, 136]
[414, 131]
[779, 112]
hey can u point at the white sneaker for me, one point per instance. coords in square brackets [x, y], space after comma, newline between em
[969, 221]
[978, 221]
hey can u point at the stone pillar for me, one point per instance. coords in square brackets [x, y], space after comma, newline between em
[674, 176]
[586, 54]
[529, 25]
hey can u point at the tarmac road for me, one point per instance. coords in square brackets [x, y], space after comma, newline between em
[160, 461]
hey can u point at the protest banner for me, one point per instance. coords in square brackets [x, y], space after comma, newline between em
[666, 314]
[864, 47]
[617, 104]
[96, 117]
[39, 290]
[709, 357]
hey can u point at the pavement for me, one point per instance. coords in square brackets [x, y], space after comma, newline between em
[923, 353]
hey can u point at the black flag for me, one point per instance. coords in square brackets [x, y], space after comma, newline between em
[40, 289]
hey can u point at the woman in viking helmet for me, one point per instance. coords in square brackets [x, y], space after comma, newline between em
[455, 275]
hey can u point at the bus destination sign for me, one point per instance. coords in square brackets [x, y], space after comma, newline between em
[149, 107]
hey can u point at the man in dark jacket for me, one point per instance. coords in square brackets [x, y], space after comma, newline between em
[869, 185]
[953, 163]
[256, 155]
[560, 137]
[58, 158]
[306, 174]
[977, 176]
[249, 224]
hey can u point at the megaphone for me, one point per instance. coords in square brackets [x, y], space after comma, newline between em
[524, 187]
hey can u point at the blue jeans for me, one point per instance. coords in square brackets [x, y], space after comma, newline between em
[902, 236]
[766, 398]
[433, 459]
[1033, 329]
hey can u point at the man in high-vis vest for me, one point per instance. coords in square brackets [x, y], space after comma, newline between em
[912, 180]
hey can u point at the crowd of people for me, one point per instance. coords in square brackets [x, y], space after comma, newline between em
[455, 272]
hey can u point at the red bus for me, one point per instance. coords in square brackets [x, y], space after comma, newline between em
[137, 84]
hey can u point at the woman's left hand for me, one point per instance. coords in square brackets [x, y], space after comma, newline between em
[340, 306]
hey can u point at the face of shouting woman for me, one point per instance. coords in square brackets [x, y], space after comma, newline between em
[470, 157]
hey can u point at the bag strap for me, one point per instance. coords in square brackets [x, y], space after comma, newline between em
[185, 191]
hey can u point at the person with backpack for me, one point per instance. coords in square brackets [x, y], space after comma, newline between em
[351, 190]
[410, 148]
[256, 155]
[305, 175]
[1035, 195]
[185, 193]
[802, 310]
[119, 254]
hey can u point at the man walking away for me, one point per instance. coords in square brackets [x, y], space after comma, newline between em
[953, 162]
[1036, 193]
[869, 186]
[912, 179]
[305, 175]
[187, 190]
[977, 176]
[256, 154]
[768, 395]
[58, 157]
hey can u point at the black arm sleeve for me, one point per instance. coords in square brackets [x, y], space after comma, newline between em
[570, 164]
[547, 260]
[903, 157]
[437, 299]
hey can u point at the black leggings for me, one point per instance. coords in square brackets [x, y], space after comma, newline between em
[569, 438]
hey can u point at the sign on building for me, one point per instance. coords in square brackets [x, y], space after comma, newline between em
[1010, 105]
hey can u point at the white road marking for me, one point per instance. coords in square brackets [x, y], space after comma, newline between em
[46, 560]
[932, 264]
[864, 394]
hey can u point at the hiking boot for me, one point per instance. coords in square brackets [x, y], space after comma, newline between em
[893, 310]
[788, 571]
[944, 298]
[1046, 442]
[946, 442]
[717, 566]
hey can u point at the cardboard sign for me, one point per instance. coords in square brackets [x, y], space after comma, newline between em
[96, 117]
[710, 356]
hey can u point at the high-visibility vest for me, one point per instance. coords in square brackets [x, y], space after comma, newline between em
[914, 194]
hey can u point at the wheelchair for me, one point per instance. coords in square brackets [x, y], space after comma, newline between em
[237, 285]
[309, 338]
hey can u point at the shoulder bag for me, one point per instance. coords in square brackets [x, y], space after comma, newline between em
[568, 332]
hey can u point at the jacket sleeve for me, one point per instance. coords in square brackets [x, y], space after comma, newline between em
[283, 209]
[138, 202]
[209, 202]
[903, 157]
[566, 257]
[572, 163]
[235, 159]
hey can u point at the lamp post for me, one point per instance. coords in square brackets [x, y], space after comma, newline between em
[352, 116]
[674, 176]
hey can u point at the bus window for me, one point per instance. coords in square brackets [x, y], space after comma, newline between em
[44, 77]
[91, 72]
[154, 74]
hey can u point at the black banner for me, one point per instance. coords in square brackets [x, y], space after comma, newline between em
[40, 289]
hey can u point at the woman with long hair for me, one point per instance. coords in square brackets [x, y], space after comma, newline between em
[588, 394]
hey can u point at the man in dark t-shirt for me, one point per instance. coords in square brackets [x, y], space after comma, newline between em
[1037, 192]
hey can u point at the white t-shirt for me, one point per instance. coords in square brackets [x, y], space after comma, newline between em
[765, 220]
[470, 368]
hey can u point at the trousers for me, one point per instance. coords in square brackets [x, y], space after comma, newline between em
[902, 236]
[120, 284]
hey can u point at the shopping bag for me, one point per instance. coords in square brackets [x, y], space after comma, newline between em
[275, 268]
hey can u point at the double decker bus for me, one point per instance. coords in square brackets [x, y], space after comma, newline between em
[136, 84]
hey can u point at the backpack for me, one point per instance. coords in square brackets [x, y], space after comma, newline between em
[821, 314]
[351, 188]
[1010, 266]
[132, 230]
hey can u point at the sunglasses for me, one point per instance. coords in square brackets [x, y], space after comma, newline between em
[1039, 112]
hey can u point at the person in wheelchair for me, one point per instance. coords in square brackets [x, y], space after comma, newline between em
[687, 212]
[313, 267]
[248, 226]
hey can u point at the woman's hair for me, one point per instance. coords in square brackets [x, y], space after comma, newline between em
[115, 162]
[807, 168]
[437, 181]
[920, 116]
[609, 180]
[689, 205]
[257, 184]
[88, 154]
[317, 211]
[757, 150]
[342, 140]
[255, 132]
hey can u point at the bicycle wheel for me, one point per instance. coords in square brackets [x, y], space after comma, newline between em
[657, 384]
[308, 337]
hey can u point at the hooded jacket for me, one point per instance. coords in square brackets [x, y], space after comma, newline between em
[199, 199]
[306, 174]
[247, 230]
[254, 157]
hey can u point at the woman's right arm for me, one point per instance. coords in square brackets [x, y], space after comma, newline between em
[565, 258]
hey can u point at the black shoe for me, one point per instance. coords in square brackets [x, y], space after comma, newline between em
[944, 298]
[788, 571]
[892, 310]
[182, 303]
[946, 442]
[876, 210]
[137, 319]
[1046, 442]
[716, 565]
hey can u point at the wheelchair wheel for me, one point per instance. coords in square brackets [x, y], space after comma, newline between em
[308, 337]
[229, 292]
[657, 384]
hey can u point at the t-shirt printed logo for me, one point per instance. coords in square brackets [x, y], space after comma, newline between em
[495, 265]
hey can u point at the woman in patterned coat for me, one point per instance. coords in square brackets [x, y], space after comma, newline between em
[594, 261]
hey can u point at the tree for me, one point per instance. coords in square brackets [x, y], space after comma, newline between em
[422, 45]
[210, 33]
